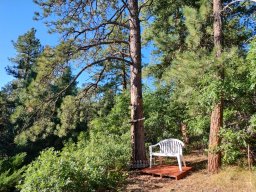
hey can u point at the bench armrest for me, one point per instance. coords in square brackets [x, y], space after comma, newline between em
[151, 147]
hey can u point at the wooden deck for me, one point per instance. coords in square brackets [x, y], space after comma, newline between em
[167, 171]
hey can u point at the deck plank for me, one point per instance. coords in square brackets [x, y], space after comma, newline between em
[167, 171]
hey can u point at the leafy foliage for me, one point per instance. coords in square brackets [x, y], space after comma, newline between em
[86, 166]
[96, 162]
[43, 107]
[186, 64]
[117, 120]
[252, 62]
[232, 143]
[28, 48]
[163, 115]
[10, 171]
[6, 131]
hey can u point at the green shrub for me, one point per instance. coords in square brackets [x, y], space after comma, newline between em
[106, 157]
[233, 145]
[53, 171]
[11, 171]
[96, 164]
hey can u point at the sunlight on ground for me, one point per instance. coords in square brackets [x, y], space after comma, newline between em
[229, 179]
[234, 179]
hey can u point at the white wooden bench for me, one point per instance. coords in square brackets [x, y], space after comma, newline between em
[168, 148]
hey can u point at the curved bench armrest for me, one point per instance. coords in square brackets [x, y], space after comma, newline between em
[151, 147]
[154, 145]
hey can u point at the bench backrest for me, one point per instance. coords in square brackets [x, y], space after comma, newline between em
[173, 146]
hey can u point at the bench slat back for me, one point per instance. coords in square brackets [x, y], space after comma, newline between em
[173, 146]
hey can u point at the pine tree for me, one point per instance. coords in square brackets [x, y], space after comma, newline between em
[214, 159]
[88, 27]
[6, 131]
[28, 48]
[42, 110]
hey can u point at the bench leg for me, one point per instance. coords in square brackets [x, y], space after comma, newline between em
[150, 161]
[184, 161]
[179, 162]
[160, 160]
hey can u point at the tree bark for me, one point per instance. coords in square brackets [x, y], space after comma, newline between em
[138, 158]
[214, 157]
[184, 132]
[124, 82]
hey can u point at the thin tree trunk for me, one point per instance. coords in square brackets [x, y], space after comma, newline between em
[138, 158]
[249, 158]
[184, 132]
[214, 158]
[124, 77]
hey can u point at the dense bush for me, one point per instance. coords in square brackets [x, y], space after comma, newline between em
[116, 121]
[10, 171]
[161, 116]
[96, 164]
[233, 145]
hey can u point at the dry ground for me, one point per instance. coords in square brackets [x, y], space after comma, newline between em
[230, 179]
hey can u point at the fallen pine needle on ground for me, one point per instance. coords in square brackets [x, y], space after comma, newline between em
[229, 179]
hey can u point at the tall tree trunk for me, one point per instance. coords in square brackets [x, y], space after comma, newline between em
[138, 158]
[214, 158]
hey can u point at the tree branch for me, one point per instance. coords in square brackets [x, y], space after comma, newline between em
[103, 43]
[95, 85]
[101, 25]
[86, 67]
[147, 3]
[122, 54]
[119, 59]
[236, 1]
